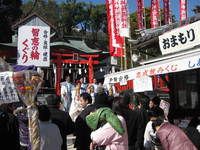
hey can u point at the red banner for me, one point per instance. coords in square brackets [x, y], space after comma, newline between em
[183, 9]
[113, 18]
[166, 9]
[140, 14]
[155, 13]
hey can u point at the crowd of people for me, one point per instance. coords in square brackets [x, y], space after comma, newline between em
[99, 119]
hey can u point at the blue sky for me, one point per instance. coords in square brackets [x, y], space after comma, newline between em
[132, 6]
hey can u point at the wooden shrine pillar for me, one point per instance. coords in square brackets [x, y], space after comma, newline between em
[58, 73]
[90, 70]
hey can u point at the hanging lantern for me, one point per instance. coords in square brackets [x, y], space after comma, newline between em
[70, 71]
[101, 70]
[70, 65]
[79, 71]
[79, 65]
[85, 70]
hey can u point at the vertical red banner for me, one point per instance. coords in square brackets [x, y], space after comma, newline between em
[166, 9]
[183, 9]
[116, 42]
[155, 13]
[140, 14]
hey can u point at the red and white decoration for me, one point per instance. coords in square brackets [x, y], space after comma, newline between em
[166, 9]
[155, 13]
[34, 46]
[183, 9]
[118, 25]
[140, 14]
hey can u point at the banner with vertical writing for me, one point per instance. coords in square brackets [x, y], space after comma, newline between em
[140, 14]
[155, 13]
[183, 9]
[113, 17]
[166, 9]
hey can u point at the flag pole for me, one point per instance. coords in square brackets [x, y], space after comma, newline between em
[125, 55]
[122, 68]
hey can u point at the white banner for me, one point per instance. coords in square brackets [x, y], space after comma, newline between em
[8, 93]
[143, 84]
[34, 46]
[187, 62]
[124, 29]
[180, 39]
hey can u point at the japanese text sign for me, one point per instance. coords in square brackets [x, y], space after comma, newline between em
[143, 84]
[168, 66]
[180, 39]
[34, 46]
[8, 93]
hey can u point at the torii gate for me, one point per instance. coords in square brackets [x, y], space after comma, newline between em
[58, 61]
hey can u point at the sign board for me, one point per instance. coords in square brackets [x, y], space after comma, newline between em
[8, 93]
[177, 64]
[143, 84]
[34, 46]
[165, 106]
[75, 56]
[180, 39]
[113, 60]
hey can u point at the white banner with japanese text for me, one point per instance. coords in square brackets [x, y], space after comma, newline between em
[8, 93]
[143, 84]
[124, 29]
[187, 62]
[34, 46]
[180, 39]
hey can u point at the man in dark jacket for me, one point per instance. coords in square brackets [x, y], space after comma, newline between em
[82, 131]
[60, 118]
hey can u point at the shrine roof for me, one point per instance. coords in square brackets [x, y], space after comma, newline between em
[76, 45]
[150, 36]
[27, 19]
[70, 46]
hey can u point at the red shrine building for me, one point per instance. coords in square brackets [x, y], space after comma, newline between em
[68, 55]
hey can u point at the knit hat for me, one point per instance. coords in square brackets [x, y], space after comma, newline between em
[53, 99]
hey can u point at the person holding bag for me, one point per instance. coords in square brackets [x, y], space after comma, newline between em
[110, 132]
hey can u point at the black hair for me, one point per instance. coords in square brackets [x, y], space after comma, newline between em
[53, 99]
[117, 106]
[86, 97]
[156, 100]
[141, 99]
[44, 113]
[156, 112]
[156, 123]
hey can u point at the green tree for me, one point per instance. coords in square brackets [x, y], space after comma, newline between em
[9, 12]
[47, 9]
[98, 20]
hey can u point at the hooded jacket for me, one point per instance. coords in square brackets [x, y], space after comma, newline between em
[104, 114]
